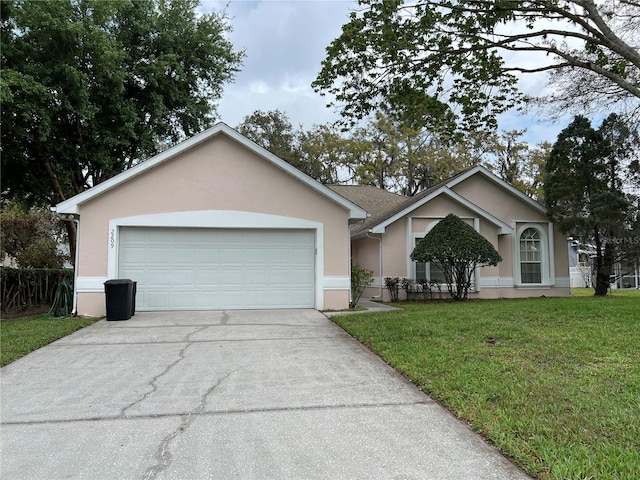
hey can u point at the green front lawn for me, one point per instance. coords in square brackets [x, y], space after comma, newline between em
[554, 383]
[19, 336]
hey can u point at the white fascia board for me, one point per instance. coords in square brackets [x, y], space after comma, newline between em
[444, 190]
[72, 204]
[497, 180]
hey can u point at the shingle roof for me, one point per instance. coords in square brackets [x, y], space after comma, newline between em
[375, 201]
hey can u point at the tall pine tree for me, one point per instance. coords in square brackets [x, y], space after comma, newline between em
[583, 193]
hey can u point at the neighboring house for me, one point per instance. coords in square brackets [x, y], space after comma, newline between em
[582, 270]
[534, 253]
[215, 222]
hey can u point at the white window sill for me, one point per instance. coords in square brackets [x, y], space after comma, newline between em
[534, 286]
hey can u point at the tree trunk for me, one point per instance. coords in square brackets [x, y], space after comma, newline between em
[602, 284]
[603, 271]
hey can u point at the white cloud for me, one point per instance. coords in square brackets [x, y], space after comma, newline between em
[258, 88]
[285, 43]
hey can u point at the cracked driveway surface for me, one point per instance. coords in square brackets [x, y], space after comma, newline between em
[225, 395]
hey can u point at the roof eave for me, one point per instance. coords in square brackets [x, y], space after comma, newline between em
[504, 229]
[494, 178]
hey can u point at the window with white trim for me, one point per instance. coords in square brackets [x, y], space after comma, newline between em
[430, 271]
[530, 256]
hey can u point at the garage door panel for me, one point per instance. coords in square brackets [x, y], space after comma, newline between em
[189, 268]
[159, 300]
[183, 299]
[205, 277]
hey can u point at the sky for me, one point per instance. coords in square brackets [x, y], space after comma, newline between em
[285, 42]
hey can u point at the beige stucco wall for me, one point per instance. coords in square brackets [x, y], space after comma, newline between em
[366, 253]
[502, 204]
[219, 174]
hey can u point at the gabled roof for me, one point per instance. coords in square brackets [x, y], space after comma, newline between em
[461, 177]
[72, 205]
[432, 193]
[393, 207]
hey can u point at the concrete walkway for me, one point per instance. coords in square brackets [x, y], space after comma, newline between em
[370, 305]
[226, 395]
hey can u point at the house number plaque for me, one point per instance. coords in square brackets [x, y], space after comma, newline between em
[112, 238]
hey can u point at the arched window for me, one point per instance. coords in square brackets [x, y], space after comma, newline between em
[530, 256]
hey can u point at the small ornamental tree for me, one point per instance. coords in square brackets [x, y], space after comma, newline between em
[361, 278]
[459, 249]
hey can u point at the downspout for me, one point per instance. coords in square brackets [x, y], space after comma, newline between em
[350, 268]
[74, 310]
[379, 296]
[69, 217]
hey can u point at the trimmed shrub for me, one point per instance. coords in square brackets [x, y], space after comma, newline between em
[456, 246]
[393, 285]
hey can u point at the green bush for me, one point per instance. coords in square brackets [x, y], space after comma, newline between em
[360, 279]
[456, 246]
[393, 285]
[31, 236]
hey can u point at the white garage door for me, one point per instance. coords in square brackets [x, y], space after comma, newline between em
[203, 268]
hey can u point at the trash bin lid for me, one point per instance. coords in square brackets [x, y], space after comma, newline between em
[118, 281]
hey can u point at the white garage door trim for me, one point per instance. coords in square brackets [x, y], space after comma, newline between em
[220, 219]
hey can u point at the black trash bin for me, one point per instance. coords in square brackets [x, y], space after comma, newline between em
[119, 297]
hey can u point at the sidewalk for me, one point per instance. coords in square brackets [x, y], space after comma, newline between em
[370, 305]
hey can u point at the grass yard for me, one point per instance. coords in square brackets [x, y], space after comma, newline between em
[554, 383]
[19, 336]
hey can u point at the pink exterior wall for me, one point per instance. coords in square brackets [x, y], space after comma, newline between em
[487, 195]
[219, 174]
[366, 253]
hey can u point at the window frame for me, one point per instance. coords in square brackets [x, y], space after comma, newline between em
[545, 277]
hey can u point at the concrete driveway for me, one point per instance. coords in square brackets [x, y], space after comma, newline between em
[224, 395]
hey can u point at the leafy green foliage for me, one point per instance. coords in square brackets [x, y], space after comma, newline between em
[389, 153]
[444, 61]
[583, 191]
[393, 285]
[318, 152]
[361, 278]
[459, 249]
[23, 289]
[273, 131]
[91, 87]
[31, 236]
